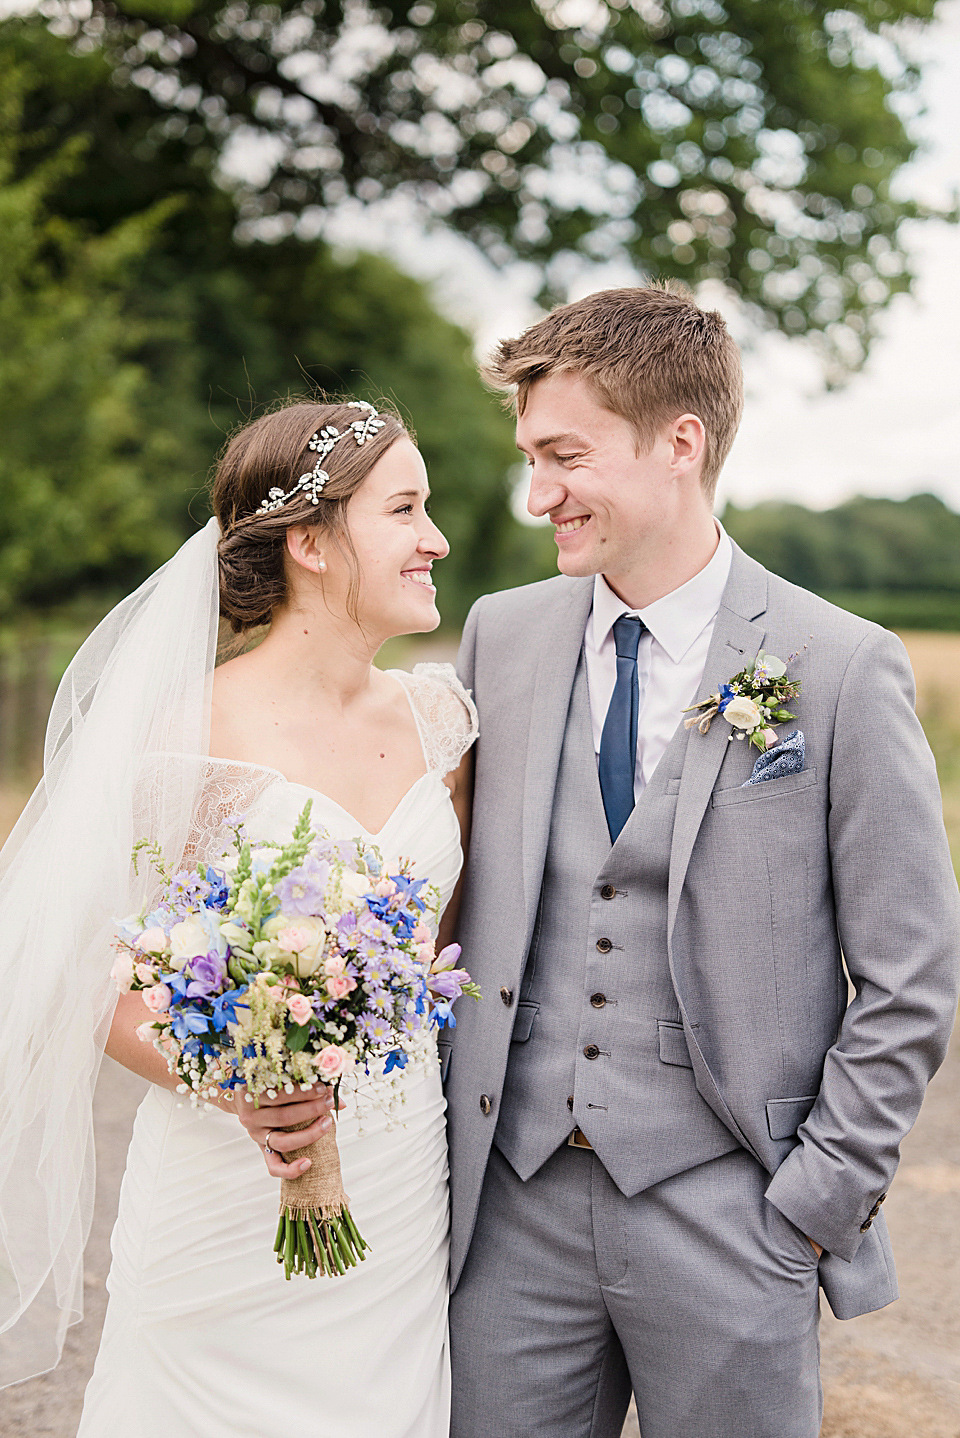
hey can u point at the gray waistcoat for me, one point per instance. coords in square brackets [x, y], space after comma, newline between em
[597, 1020]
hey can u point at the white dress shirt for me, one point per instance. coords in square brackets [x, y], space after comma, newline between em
[670, 659]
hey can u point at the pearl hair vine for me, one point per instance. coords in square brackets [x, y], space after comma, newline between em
[323, 443]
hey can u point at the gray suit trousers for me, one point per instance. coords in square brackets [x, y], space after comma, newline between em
[697, 1293]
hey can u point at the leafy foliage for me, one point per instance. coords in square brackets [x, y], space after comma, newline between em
[79, 476]
[753, 143]
[139, 327]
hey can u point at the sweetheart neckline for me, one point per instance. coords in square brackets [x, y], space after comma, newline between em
[295, 784]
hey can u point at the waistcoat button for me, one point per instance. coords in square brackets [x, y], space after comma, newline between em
[591, 1051]
[570, 1102]
[604, 946]
[598, 1000]
[507, 995]
[486, 1103]
[608, 892]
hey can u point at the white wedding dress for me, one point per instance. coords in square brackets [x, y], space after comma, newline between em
[203, 1336]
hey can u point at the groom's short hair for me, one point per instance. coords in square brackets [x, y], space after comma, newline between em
[650, 352]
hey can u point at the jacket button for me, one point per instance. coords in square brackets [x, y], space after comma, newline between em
[598, 1000]
[604, 946]
[570, 1102]
[507, 995]
[867, 1223]
[882, 1198]
[875, 1210]
[486, 1103]
[608, 892]
[591, 1051]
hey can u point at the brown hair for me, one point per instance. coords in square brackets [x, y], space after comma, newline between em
[650, 352]
[271, 452]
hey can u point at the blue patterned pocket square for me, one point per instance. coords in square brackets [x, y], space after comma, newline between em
[786, 758]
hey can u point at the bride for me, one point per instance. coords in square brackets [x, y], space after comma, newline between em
[322, 534]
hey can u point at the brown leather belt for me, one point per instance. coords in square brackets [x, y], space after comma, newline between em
[578, 1139]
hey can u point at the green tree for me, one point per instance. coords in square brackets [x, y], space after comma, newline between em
[208, 329]
[895, 561]
[80, 479]
[751, 142]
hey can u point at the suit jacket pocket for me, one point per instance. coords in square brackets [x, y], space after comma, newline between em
[785, 1115]
[769, 789]
[523, 1023]
[673, 1044]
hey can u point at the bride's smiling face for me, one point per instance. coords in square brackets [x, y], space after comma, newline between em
[395, 543]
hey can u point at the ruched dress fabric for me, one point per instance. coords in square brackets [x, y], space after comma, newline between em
[203, 1336]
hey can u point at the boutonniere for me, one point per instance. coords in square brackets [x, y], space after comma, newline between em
[752, 702]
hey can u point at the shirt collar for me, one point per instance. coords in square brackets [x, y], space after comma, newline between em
[677, 619]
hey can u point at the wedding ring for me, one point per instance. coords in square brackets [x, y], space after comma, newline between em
[266, 1142]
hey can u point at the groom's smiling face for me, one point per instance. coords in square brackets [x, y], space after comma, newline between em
[613, 504]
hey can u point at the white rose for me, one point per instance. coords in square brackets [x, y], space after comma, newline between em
[187, 939]
[352, 885]
[742, 713]
[308, 960]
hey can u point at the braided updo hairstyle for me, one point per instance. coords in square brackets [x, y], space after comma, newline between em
[272, 452]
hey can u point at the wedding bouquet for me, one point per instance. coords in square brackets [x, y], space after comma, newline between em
[288, 965]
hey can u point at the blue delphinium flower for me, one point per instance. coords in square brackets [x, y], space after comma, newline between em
[727, 693]
[225, 1007]
[219, 890]
[396, 1059]
[442, 1014]
[188, 1021]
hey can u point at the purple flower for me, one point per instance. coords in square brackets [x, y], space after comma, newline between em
[302, 890]
[449, 984]
[208, 973]
[375, 1028]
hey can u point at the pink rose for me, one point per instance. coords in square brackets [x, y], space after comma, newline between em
[425, 953]
[145, 973]
[145, 1033]
[332, 1062]
[295, 940]
[152, 941]
[158, 998]
[339, 985]
[122, 972]
[300, 1008]
[385, 889]
[770, 737]
[422, 934]
[335, 964]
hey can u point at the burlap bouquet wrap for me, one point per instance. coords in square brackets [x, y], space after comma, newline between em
[316, 1234]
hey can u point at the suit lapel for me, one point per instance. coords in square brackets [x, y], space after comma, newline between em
[736, 640]
[558, 644]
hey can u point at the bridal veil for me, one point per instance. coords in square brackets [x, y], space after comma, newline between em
[129, 717]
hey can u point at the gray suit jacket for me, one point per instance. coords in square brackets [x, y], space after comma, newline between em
[768, 885]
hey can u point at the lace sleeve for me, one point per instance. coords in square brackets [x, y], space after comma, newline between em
[228, 789]
[446, 714]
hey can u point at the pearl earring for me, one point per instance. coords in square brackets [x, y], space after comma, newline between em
[321, 566]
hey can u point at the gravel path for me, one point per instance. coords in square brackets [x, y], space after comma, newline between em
[893, 1374]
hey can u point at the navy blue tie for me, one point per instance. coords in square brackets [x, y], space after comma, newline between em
[618, 742]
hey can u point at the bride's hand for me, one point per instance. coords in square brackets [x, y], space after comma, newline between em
[273, 1116]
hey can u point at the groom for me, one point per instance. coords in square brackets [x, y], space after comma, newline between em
[667, 1124]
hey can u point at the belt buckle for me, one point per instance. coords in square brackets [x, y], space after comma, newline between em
[578, 1139]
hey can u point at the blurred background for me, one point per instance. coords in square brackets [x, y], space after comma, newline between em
[206, 205]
